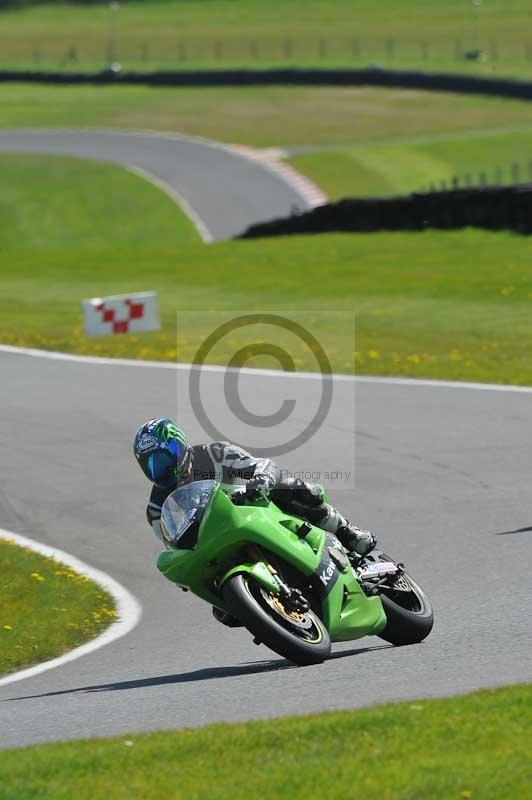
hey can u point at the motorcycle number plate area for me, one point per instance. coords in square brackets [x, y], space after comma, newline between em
[380, 568]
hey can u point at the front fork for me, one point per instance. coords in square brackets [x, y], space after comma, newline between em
[292, 599]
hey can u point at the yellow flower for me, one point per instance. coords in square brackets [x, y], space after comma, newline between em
[374, 354]
[413, 358]
[37, 576]
[467, 794]
[8, 628]
[506, 290]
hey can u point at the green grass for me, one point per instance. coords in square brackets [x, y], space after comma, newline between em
[47, 608]
[400, 167]
[439, 304]
[50, 202]
[476, 746]
[218, 33]
[262, 116]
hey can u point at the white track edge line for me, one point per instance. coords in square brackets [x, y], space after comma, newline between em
[309, 192]
[128, 607]
[178, 199]
[242, 152]
[52, 355]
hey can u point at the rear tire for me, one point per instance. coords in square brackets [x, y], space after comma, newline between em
[301, 638]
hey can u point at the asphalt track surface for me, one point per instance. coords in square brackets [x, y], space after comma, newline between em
[221, 190]
[443, 476]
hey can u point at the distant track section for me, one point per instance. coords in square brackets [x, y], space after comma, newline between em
[222, 190]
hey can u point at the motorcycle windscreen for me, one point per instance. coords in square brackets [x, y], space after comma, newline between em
[182, 512]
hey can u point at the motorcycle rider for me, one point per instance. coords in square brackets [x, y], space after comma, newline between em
[168, 461]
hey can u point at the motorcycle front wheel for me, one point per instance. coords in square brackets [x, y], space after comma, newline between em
[408, 612]
[299, 637]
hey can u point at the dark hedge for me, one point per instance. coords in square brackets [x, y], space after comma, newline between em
[492, 208]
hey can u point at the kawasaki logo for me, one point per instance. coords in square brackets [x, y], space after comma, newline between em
[327, 574]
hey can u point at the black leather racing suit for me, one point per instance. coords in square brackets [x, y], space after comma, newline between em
[234, 466]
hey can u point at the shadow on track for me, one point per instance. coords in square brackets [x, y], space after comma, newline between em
[517, 530]
[209, 673]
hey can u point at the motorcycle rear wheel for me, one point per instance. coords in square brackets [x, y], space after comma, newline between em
[301, 638]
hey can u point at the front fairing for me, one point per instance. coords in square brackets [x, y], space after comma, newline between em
[183, 511]
[225, 528]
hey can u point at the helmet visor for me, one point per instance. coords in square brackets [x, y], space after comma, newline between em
[168, 465]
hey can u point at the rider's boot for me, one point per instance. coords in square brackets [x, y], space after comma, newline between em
[355, 540]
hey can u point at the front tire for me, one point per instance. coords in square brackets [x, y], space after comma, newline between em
[409, 614]
[301, 638]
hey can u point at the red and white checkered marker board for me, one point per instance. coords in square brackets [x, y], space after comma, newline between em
[121, 313]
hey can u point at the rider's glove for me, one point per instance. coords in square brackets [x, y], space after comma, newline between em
[257, 487]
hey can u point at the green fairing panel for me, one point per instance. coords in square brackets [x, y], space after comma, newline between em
[349, 614]
[225, 528]
[259, 571]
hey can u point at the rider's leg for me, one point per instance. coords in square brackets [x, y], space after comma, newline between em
[309, 500]
[353, 538]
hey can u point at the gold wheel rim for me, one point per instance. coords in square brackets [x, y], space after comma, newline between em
[294, 615]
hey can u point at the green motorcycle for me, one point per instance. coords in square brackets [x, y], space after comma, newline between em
[292, 585]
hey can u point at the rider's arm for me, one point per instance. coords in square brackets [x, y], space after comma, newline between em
[239, 464]
[155, 521]
[153, 511]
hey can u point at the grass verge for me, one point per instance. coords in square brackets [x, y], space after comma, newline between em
[262, 116]
[52, 202]
[176, 34]
[476, 746]
[400, 167]
[47, 608]
[453, 305]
